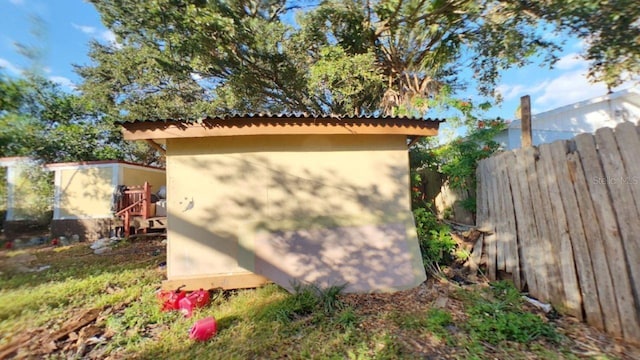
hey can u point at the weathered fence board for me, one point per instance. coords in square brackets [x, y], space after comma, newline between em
[601, 278]
[512, 258]
[526, 227]
[554, 280]
[576, 235]
[624, 209]
[564, 221]
[612, 255]
[539, 252]
[490, 239]
[572, 297]
[628, 145]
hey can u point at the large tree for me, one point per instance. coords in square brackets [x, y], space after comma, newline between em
[185, 59]
[40, 120]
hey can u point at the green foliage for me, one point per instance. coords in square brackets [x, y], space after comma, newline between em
[189, 58]
[496, 316]
[40, 120]
[33, 192]
[434, 237]
[459, 158]
[347, 318]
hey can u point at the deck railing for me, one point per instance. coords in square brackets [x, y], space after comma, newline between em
[135, 201]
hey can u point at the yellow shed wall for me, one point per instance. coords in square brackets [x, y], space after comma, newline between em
[137, 176]
[86, 192]
[325, 209]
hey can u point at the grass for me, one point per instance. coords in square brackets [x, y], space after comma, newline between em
[263, 323]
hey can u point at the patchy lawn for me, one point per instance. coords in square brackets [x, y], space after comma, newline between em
[67, 302]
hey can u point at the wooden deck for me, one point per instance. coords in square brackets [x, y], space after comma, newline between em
[134, 211]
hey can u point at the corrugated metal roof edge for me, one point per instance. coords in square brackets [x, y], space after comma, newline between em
[235, 116]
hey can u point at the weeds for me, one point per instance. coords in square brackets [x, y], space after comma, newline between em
[496, 315]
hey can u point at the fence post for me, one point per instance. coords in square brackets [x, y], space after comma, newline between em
[525, 118]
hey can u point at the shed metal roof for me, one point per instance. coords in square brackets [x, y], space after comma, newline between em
[279, 124]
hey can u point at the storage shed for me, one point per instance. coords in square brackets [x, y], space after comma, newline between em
[290, 199]
[84, 194]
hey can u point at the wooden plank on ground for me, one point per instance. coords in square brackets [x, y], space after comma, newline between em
[513, 257]
[627, 216]
[546, 175]
[526, 225]
[565, 178]
[573, 297]
[604, 286]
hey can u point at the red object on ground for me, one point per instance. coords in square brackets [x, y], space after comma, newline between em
[8, 245]
[199, 298]
[203, 329]
[186, 306]
[170, 300]
[195, 299]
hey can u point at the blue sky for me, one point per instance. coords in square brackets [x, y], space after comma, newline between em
[71, 24]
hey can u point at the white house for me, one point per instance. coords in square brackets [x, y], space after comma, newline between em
[582, 117]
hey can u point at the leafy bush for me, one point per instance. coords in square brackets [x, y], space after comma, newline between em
[458, 159]
[434, 237]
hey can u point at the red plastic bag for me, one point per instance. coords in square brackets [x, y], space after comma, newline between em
[170, 300]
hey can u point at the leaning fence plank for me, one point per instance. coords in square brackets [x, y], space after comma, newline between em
[611, 242]
[589, 200]
[539, 252]
[573, 297]
[490, 239]
[481, 197]
[626, 214]
[544, 168]
[629, 147]
[584, 270]
[526, 226]
[501, 228]
[512, 257]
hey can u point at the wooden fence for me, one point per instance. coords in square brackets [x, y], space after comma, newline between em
[563, 220]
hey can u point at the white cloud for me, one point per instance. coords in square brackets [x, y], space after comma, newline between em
[84, 28]
[107, 36]
[63, 81]
[571, 61]
[568, 88]
[17, 2]
[510, 92]
[6, 64]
